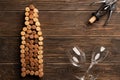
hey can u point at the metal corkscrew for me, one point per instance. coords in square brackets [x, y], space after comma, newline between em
[107, 7]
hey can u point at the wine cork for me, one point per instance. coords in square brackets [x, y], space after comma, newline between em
[35, 36]
[23, 69]
[24, 29]
[23, 37]
[36, 73]
[33, 27]
[31, 16]
[31, 72]
[41, 69]
[40, 56]
[31, 12]
[40, 47]
[31, 21]
[22, 55]
[26, 23]
[32, 7]
[35, 15]
[23, 65]
[34, 32]
[40, 61]
[26, 14]
[35, 19]
[40, 43]
[35, 10]
[27, 71]
[41, 74]
[37, 24]
[23, 42]
[23, 74]
[26, 36]
[39, 33]
[26, 49]
[26, 18]
[40, 52]
[29, 31]
[22, 51]
[92, 19]
[27, 9]
[22, 46]
[40, 66]
[22, 60]
[28, 27]
[31, 36]
[22, 33]
[41, 38]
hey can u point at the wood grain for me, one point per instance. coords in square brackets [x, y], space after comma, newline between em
[63, 25]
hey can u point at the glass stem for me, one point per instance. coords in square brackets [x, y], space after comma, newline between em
[91, 65]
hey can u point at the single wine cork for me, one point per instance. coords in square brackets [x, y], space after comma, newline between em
[27, 9]
[36, 73]
[31, 12]
[26, 18]
[40, 47]
[41, 74]
[23, 37]
[33, 27]
[26, 23]
[32, 6]
[22, 46]
[22, 33]
[22, 51]
[40, 61]
[22, 55]
[37, 23]
[22, 60]
[39, 33]
[35, 15]
[41, 38]
[26, 13]
[31, 21]
[24, 29]
[23, 42]
[92, 19]
[35, 19]
[28, 27]
[27, 71]
[23, 74]
[23, 69]
[40, 52]
[31, 16]
[35, 36]
[40, 56]
[35, 10]
[40, 43]
[32, 72]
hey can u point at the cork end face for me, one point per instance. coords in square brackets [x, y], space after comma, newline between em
[92, 19]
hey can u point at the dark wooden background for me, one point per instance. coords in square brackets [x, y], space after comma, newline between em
[63, 25]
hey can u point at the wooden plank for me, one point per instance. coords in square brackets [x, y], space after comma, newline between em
[13, 72]
[49, 5]
[55, 48]
[59, 23]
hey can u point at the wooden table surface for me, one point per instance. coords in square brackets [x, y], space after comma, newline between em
[63, 25]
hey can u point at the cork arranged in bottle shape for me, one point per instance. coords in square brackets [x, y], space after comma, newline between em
[31, 47]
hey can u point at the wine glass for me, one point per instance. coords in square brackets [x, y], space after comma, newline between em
[76, 56]
[98, 55]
